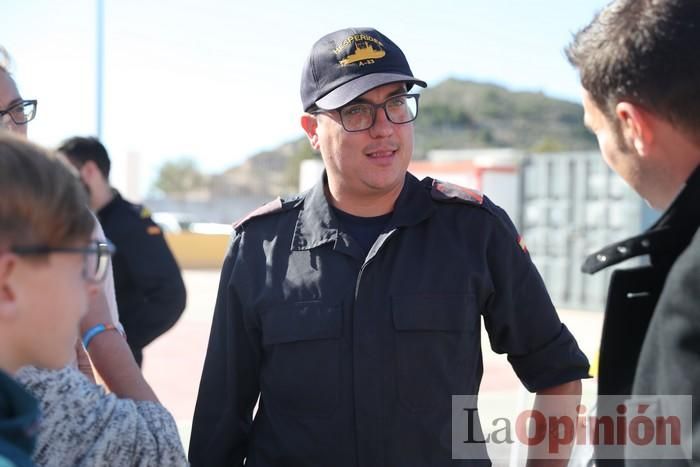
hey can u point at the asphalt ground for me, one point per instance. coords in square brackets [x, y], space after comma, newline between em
[173, 363]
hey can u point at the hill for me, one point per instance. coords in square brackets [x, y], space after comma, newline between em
[465, 114]
[454, 114]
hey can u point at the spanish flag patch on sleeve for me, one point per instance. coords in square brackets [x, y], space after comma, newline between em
[521, 243]
[153, 230]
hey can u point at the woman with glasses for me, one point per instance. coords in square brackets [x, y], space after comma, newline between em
[81, 424]
[15, 112]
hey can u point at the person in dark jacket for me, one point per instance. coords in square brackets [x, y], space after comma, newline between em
[150, 291]
[640, 68]
[353, 311]
[19, 419]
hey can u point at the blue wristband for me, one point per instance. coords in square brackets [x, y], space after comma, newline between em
[95, 330]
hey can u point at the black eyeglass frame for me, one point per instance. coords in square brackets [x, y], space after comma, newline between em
[22, 103]
[374, 108]
[99, 248]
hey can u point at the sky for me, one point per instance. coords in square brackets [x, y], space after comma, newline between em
[218, 80]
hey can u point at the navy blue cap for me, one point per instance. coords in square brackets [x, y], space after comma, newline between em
[345, 64]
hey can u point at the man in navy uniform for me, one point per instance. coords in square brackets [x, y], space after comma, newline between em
[639, 63]
[353, 310]
[150, 292]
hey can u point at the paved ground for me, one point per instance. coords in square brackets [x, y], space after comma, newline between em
[173, 363]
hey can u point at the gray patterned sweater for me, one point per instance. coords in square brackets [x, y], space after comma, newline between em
[82, 425]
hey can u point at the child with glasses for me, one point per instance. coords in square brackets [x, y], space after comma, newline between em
[51, 273]
[46, 255]
[81, 424]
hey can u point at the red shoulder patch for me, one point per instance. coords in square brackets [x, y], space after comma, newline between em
[153, 230]
[521, 243]
[452, 191]
[272, 206]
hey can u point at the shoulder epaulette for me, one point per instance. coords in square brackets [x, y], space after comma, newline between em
[273, 206]
[144, 212]
[144, 216]
[445, 191]
[451, 193]
[139, 210]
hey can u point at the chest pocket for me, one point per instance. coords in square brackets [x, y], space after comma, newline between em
[301, 369]
[437, 348]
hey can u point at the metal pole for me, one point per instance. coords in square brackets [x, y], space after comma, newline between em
[100, 67]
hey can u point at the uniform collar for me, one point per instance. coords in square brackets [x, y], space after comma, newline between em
[316, 224]
[107, 208]
[414, 204]
[667, 238]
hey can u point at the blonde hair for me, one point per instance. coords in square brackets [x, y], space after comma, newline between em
[5, 60]
[41, 199]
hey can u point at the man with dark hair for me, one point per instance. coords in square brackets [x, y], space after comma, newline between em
[639, 62]
[83, 149]
[150, 292]
[353, 311]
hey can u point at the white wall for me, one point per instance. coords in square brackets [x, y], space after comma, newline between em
[310, 171]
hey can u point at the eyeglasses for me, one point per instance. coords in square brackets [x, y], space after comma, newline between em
[21, 112]
[399, 109]
[96, 257]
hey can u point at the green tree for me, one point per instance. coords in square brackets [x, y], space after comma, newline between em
[179, 177]
[548, 144]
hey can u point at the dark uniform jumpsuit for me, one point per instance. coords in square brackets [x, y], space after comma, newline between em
[356, 357]
[149, 287]
[651, 331]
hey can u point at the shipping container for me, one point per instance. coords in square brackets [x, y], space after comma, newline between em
[572, 204]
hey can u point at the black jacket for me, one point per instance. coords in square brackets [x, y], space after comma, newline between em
[150, 292]
[670, 346]
[19, 423]
[356, 357]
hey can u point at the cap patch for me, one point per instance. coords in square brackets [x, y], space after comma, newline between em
[367, 50]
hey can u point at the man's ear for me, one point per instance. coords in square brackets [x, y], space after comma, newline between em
[637, 126]
[310, 125]
[8, 301]
[88, 170]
